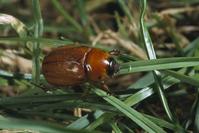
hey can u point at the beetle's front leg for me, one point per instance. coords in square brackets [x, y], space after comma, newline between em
[105, 88]
[115, 52]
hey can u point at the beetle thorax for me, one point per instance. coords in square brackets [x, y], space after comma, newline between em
[96, 64]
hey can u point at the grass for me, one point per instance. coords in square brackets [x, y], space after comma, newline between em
[162, 97]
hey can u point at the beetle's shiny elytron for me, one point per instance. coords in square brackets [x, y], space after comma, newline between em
[73, 65]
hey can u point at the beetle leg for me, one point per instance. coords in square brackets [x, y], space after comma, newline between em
[85, 93]
[115, 52]
[105, 88]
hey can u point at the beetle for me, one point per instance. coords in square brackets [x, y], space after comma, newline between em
[73, 65]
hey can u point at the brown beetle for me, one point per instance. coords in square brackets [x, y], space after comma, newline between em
[74, 65]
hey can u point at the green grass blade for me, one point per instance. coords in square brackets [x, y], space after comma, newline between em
[26, 100]
[11, 123]
[38, 31]
[139, 96]
[161, 122]
[158, 64]
[196, 108]
[84, 121]
[115, 127]
[138, 118]
[143, 82]
[148, 91]
[68, 18]
[44, 41]
[134, 99]
[125, 9]
[190, 49]
[183, 78]
[100, 120]
[151, 55]
[84, 17]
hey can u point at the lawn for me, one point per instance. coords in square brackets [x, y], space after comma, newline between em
[155, 89]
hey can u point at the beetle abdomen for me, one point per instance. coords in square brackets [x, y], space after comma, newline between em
[65, 66]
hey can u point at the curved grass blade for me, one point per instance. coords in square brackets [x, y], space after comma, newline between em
[151, 55]
[16, 24]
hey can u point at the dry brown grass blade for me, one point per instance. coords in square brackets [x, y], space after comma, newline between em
[179, 10]
[10, 60]
[112, 38]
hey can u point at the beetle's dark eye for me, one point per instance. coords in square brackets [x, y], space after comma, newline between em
[113, 67]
